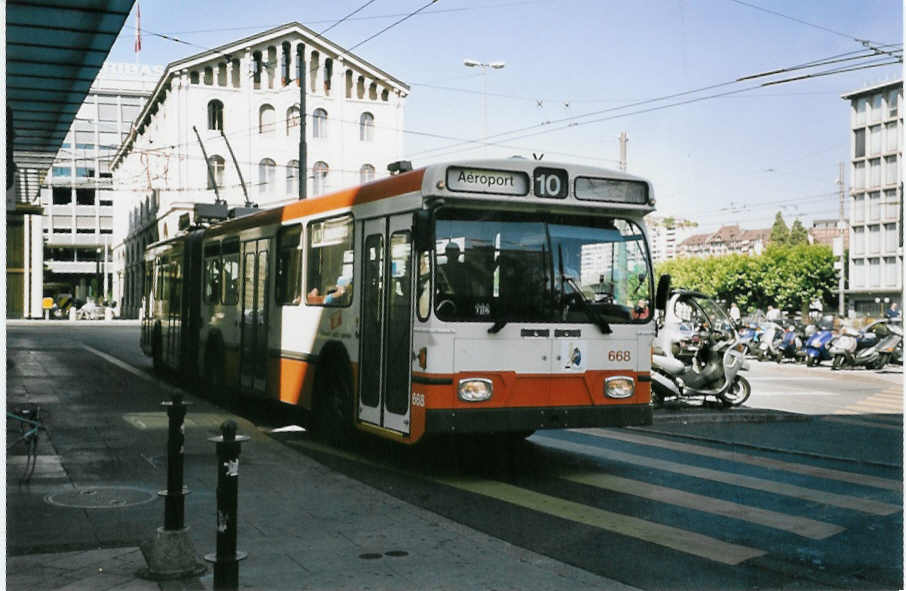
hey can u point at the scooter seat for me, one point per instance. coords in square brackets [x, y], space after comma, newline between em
[668, 364]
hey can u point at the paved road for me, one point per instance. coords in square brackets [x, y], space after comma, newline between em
[695, 505]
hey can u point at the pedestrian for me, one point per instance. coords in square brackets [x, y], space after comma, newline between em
[773, 313]
[893, 312]
[734, 313]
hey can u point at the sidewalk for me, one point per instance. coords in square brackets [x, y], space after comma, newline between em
[93, 499]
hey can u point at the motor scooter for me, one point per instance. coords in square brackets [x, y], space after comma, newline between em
[713, 372]
[770, 338]
[817, 347]
[789, 346]
[870, 348]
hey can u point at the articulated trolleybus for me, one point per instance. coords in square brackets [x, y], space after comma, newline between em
[490, 296]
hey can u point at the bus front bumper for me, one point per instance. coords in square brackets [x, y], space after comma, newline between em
[491, 420]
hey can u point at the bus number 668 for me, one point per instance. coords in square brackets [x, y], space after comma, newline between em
[619, 356]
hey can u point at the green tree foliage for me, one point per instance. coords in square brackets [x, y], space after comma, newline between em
[783, 276]
[798, 234]
[780, 233]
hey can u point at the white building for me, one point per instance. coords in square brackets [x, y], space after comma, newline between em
[665, 235]
[78, 198]
[876, 198]
[244, 97]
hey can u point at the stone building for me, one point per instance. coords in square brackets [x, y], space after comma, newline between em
[225, 123]
[730, 239]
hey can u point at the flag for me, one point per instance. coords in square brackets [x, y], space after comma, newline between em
[138, 27]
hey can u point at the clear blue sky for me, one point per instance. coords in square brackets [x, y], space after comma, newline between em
[736, 158]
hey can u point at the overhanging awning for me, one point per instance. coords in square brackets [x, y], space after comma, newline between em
[54, 50]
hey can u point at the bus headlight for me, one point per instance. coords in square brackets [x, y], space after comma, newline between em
[619, 387]
[475, 389]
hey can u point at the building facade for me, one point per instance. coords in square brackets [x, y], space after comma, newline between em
[78, 196]
[729, 239]
[224, 124]
[666, 234]
[876, 198]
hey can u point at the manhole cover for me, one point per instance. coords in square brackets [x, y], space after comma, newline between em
[101, 498]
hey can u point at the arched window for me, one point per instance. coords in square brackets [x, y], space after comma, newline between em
[319, 124]
[208, 76]
[266, 120]
[319, 182]
[366, 174]
[215, 114]
[266, 170]
[292, 174]
[222, 74]
[292, 119]
[216, 164]
[366, 127]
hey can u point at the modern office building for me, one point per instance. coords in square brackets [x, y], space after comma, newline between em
[77, 195]
[876, 198]
[666, 234]
[224, 124]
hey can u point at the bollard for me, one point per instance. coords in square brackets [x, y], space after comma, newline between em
[174, 502]
[171, 554]
[226, 559]
[72, 313]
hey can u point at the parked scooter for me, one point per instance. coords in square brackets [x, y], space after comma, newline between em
[770, 339]
[871, 348]
[817, 347]
[790, 345]
[713, 372]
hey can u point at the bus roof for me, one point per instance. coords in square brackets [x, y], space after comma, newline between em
[501, 180]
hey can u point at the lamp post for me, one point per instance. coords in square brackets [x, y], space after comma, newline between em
[484, 92]
[880, 311]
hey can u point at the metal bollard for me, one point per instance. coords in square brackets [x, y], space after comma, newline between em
[171, 554]
[174, 502]
[226, 560]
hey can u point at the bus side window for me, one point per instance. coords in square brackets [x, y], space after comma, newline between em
[330, 261]
[230, 272]
[289, 266]
[213, 277]
[424, 285]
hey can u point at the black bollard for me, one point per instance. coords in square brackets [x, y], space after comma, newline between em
[171, 554]
[174, 502]
[226, 560]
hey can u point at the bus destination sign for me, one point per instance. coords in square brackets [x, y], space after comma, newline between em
[480, 180]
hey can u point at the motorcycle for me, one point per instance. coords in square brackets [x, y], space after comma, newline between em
[817, 347]
[713, 371]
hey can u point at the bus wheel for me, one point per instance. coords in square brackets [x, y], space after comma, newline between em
[333, 402]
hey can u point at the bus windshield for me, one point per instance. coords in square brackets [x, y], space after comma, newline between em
[539, 267]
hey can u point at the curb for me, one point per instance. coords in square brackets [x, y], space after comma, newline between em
[697, 415]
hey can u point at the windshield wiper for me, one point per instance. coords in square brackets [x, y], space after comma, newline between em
[585, 304]
[495, 328]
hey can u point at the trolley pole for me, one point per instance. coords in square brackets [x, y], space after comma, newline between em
[226, 559]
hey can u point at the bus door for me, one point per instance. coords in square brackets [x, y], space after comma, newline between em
[253, 347]
[386, 323]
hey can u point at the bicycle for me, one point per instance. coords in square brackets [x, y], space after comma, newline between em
[29, 424]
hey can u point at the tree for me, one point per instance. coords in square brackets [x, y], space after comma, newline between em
[798, 234]
[780, 234]
[783, 276]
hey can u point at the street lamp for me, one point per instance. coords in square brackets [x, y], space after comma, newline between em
[484, 92]
[878, 302]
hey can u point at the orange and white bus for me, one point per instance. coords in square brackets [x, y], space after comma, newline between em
[489, 296]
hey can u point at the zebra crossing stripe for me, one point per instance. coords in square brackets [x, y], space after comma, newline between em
[655, 533]
[648, 531]
[733, 479]
[754, 460]
[801, 526]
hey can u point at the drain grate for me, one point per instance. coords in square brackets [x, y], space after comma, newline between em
[101, 498]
